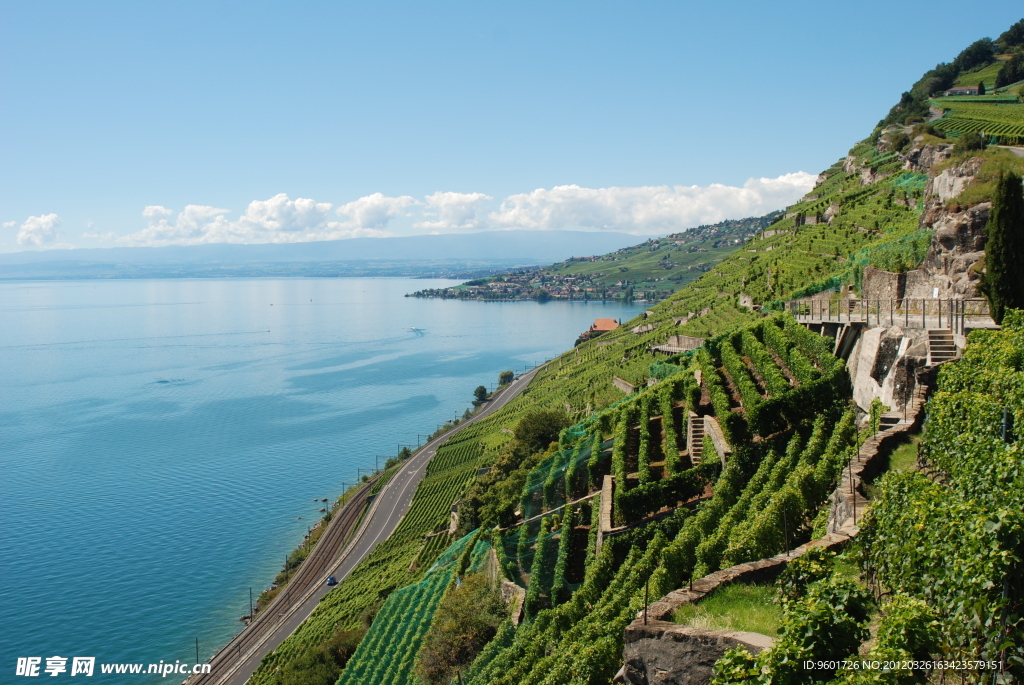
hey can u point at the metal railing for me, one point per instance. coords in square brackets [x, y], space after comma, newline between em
[912, 312]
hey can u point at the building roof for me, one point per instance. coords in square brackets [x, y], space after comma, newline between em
[962, 88]
[604, 325]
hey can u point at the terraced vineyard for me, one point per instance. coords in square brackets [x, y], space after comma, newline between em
[387, 652]
[760, 375]
[997, 118]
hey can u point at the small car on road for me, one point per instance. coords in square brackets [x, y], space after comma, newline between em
[331, 580]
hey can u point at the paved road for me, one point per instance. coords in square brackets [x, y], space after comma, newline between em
[233, 664]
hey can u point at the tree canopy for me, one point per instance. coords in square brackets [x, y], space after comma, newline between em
[1013, 36]
[1004, 283]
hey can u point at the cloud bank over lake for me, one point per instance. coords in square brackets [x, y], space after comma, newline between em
[643, 210]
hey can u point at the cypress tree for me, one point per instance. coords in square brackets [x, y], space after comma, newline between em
[1004, 283]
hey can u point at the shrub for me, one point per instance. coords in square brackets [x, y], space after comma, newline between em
[969, 142]
[466, 620]
[814, 565]
[322, 664]
[898, 141]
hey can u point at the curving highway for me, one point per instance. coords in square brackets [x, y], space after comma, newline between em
[237, 660]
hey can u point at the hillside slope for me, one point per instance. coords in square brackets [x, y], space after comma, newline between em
[905, 208]
[650, 271]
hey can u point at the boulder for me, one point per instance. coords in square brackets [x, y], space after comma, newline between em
[662, 653]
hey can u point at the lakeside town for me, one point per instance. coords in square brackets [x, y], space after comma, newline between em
[648, 272]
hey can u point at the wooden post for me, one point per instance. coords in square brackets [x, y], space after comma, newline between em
[906, 313]
[924, 322]
[646, 582]
[785, 529]
[940, 312]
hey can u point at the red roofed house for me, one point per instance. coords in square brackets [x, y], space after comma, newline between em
[604, 325]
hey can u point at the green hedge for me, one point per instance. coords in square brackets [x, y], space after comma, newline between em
[649, 498]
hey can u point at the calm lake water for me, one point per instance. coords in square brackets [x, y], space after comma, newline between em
[159, 439]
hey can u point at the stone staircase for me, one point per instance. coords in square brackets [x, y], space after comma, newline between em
[889, 420]
[941, 347]
[696, 443]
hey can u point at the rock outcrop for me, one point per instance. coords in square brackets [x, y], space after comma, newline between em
[958, 244]
[952, 181]
[922, 159]
[661, 653]
[952, 265]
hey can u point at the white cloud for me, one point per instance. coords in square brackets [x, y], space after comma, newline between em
[279, 219]
[452, 211]
[648, 209]
[276, 220]
[375, 211]
[10, 224]
[156, 211]
[40, 231]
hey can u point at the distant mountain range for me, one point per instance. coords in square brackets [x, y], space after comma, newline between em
[429, 255]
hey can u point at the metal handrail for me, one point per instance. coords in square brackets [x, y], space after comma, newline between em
[913, 312]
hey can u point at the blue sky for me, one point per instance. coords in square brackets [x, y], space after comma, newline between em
[402, 118]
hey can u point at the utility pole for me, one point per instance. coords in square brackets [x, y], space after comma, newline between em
[197, 650]
[250, 605]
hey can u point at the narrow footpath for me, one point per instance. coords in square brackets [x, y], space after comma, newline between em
[237, 660]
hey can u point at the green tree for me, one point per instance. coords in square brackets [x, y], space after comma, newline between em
[480, 394]
[538, 429]
[1011, 71]
[1003, 283]
[981, 88]
[506, 377]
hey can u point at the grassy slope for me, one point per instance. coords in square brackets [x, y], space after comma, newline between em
[735, 607]
[986, 75]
